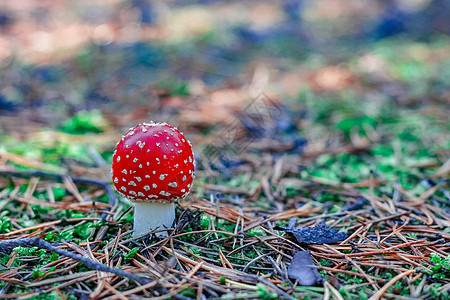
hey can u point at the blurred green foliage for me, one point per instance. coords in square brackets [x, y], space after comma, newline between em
[84, 122]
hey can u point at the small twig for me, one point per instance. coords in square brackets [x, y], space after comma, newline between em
[8, 247]
[255, 260]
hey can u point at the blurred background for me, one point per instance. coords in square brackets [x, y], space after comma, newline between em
[75, 75]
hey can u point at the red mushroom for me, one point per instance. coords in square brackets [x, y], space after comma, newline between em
[153, 166]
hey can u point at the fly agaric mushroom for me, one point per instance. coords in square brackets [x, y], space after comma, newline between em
[153, 166]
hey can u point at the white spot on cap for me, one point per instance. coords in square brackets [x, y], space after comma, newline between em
[147, 176]
[118, 158]
[183, 140]
[131, 133]
[132, 193]
[123, 179]
[135, 160]
[172, 184]
[184, 178]
[185, 161]
[127, 156]
[164, 193]
[138, 179]
[140, 166]
[190, 159]
[161, 177]
[176, 144]
[154, 186]
[144, 130]
[157, 159]
[124, 171]
[146, 187]
[179, 151]
[148, 163]
[165, 156]
[132, 183]
[157, 144]
[152, 196]
[154, 172]
[116, 180]
[123, 189]
[189, 185]
[183, 190]
[176, 166]
[140, 193]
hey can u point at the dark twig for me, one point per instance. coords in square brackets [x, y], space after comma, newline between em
[8, 246]
[255, 260]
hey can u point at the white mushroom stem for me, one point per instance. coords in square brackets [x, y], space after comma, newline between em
[150, 215]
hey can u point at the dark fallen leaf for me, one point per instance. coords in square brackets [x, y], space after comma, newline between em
[302, 269]
[320, 234]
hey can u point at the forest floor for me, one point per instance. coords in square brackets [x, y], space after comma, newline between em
[286, 136]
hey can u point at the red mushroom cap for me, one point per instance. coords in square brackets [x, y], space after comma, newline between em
[153, 162]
